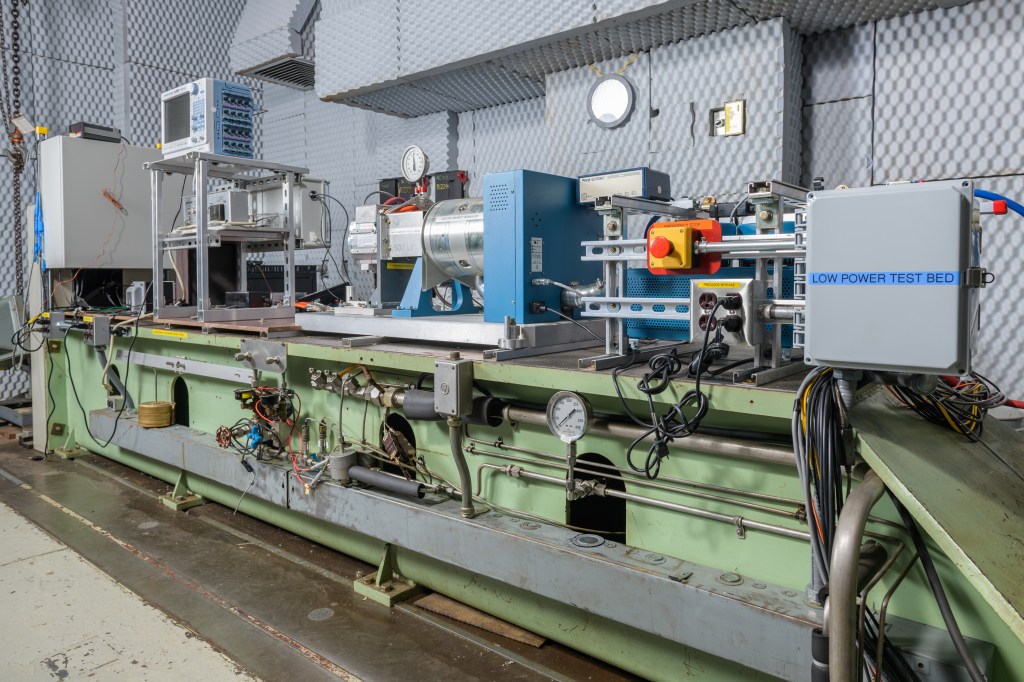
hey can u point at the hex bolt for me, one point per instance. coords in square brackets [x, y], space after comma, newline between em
[243, 357]
[765, 215]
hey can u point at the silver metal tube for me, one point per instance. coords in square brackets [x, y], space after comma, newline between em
[606, 471]
[746, 245]
[716, 445]
[465, 478]
[780, 310]
[842, 599]
[736, 521]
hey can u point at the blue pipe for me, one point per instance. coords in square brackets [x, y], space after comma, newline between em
[992, 196]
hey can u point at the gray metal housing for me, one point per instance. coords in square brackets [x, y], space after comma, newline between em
[885, 278]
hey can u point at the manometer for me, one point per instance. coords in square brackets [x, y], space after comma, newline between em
[569, 415]
[414, 163]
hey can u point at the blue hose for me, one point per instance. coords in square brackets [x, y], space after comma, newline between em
[992, 196]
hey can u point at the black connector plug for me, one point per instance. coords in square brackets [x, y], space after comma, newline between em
[537, 307]
[732, 302]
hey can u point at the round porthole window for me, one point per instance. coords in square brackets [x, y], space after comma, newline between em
[610, 101]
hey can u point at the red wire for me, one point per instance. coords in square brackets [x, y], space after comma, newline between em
[1019, 404]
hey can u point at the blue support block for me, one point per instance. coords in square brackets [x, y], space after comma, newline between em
[417, 303]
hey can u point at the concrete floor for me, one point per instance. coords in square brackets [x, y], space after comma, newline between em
[275, 605]
[66, 619]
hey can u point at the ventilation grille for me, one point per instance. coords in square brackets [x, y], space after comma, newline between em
[499, 198]
[296, 72]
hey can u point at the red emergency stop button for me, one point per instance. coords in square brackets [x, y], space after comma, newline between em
[660, 247]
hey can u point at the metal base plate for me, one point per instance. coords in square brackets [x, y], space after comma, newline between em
[389, 592]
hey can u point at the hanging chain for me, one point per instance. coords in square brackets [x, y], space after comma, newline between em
[17, 152]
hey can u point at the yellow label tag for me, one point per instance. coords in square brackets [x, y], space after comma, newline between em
[719, 285]
[87, 318]
[170, 333]
[400, 266]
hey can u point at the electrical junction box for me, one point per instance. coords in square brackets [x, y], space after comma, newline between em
[226, 205]
[642, 183]
[82, 227]
[737, 316]
[886, 278]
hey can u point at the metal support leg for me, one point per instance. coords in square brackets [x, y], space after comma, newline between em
[181, 498]
[842, 599]
[386, 586]
[202, 245]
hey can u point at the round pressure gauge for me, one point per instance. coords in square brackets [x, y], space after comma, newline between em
[610, 101]
[414, 164]
[569, 415]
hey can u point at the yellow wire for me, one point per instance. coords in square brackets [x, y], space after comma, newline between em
[619, 72]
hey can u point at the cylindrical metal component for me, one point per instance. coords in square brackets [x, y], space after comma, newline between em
[819, 655]
[780, 311]
[843, 573]
[747, 245]
[718, 445]
[385, 481]
[419, 405]
[453, 237]
[339, 465]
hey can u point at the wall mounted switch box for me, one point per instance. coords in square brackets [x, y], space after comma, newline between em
[888, 278]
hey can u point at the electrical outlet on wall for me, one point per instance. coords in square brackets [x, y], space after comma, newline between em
[729, 119]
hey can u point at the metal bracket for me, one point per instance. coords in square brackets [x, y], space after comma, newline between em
[977, 278]
[181, 498]
[263, 356]
[386, 586]
[741, 530]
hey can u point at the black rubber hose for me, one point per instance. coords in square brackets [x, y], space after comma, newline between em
[386, 481]
[940, 595]
[419, 406]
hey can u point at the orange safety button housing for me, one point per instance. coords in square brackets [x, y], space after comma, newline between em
[670, 247]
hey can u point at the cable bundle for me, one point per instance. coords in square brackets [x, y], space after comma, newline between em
[675, 423]
[819, 420]
[959, 404]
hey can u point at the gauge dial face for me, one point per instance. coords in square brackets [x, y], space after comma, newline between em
[414, 164]
[569, 415]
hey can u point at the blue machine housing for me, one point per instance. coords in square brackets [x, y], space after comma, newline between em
[532, 229]
[642, 284]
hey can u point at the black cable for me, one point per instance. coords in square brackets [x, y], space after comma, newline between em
[127, 370]
[376, 192]
[53, 407]
[181, 198]
[126, 140]
[938, 592]
[74, 389]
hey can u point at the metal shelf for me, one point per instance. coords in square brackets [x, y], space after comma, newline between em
[203, 166]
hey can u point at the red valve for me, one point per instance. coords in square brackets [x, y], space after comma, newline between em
[999, 207]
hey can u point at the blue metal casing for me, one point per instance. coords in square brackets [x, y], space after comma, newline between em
[533, 228]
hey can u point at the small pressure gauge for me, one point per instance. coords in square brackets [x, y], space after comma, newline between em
[569, 415]
[414, 164]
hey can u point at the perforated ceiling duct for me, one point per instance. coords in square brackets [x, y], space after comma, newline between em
[274, 42]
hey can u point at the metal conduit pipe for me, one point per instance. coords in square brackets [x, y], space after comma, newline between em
[843, 574]
[465, 478]
[791, 514]
[635, 479]
[781, 310]
[737, 522]
[115, 380]
[746, 245]
[716, 445]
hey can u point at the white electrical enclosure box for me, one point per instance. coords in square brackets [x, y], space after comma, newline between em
[81, 226]
[887, 278]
